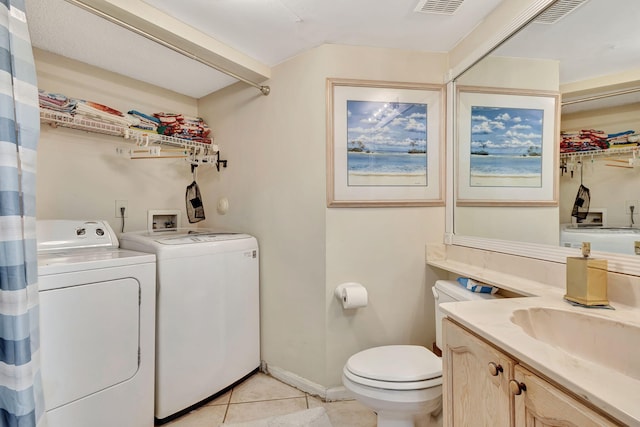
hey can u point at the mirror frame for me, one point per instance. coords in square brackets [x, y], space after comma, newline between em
[619, 263]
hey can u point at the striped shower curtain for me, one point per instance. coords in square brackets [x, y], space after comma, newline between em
[21, 398]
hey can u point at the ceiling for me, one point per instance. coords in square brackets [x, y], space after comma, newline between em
[272, 31]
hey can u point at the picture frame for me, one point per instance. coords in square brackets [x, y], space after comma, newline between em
[385, 143]
[506, 147]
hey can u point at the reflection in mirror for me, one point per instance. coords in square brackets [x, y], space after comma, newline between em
[598, 75]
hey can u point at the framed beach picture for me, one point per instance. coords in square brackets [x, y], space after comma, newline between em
[384, 143]
[506, 147]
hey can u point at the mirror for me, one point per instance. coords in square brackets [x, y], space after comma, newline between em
[590, 56]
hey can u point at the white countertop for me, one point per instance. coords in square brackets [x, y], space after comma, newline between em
[608, 389]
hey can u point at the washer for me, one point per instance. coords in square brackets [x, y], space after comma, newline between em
[606, 239]
[97, 321]
[208, 320]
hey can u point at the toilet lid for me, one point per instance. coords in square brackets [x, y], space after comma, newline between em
[396, 363]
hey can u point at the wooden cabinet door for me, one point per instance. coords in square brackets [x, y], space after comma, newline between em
[540, 404]
[475, 381]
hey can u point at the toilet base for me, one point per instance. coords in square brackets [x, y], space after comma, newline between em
[412, 408]
[395, 419]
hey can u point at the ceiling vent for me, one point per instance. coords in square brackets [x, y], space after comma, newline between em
[558, 10]
[442, 7]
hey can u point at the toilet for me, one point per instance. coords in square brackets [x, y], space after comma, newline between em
[403, 383]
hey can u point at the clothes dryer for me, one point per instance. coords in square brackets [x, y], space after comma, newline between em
[97, 319]
[208, 324]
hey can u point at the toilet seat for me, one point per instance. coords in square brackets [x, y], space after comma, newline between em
[395, 367]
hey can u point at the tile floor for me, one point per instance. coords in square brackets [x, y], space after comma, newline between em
[262, 396]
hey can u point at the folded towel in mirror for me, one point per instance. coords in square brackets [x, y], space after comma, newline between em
[476, 286]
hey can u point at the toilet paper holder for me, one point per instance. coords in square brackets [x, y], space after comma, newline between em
[351, 295]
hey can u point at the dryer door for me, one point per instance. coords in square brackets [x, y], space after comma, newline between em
[89, 338]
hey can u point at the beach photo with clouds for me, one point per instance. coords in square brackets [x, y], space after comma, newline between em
[506, 147]
[386, 143]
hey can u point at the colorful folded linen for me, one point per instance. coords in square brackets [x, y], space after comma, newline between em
[476, 286]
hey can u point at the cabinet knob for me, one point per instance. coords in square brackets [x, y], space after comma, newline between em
[516, 387]
[495, 369]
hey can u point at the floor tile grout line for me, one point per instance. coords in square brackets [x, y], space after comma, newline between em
[266, 400]
[226, 410]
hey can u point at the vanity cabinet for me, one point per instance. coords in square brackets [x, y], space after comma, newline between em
[543, 404]
[475, 381]
[482, 386]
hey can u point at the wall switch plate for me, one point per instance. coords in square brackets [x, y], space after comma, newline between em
[121, 204]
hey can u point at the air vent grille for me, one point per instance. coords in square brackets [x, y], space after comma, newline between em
[442, 7]
[558, 10]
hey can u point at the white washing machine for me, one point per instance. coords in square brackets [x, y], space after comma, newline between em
[605, 239]
[208, 320]
[97, 322]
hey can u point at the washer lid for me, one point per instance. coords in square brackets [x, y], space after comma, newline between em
[396, 363]
[181, 236]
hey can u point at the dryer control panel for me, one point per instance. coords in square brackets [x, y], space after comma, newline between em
[56, 234]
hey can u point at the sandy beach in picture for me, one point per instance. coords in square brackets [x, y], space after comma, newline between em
[386, 179]
[477, 180]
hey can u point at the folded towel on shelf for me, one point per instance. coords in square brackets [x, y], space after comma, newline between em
[145, 117]
[184, 127]
[56, 102]
[583, 140]
[476, 286]
[102, 113]
[144, 121]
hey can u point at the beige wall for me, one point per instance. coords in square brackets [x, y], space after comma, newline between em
[80, 176]
[526, 224]
[276, 189]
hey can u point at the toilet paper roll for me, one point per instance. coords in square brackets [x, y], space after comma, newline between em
[352, 295]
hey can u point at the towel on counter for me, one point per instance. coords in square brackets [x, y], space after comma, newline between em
[475, 286]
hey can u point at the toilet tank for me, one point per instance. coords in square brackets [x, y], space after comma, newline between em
[452, 291]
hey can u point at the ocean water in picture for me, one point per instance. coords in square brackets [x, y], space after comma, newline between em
[508, 171]
[386, 143]
[387, 169]
[506, 147]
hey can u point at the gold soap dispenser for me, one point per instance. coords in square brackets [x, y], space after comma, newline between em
[587, 279]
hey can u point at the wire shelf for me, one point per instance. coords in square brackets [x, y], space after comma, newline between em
[139, 137]
[599, 153]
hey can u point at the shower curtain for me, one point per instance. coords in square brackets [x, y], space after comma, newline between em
[21, 397]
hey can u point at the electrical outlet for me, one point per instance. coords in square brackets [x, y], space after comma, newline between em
[121, 204]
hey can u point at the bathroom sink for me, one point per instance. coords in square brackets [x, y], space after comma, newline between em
[600, 340]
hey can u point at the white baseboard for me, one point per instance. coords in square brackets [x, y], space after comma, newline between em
[327, 394]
